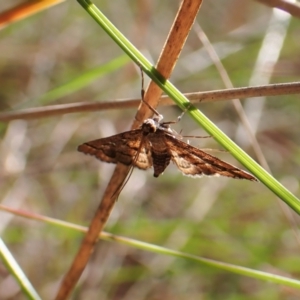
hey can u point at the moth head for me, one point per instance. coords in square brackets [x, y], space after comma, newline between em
[149, 126]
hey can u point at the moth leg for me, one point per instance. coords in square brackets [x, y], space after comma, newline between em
[184, 111]
[197, 136]
[179, 117]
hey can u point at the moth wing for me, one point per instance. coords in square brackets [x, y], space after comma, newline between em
[120, 148]
[192, 161]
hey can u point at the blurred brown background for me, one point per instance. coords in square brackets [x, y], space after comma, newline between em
[229, 220]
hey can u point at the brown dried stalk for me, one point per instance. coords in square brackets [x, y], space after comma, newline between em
[175, 41]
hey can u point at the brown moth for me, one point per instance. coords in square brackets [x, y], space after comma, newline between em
[155, 144]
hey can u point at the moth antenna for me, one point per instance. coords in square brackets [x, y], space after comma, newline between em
[182, 114]
[143, 99]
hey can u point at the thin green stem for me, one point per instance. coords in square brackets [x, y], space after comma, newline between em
[15, 270]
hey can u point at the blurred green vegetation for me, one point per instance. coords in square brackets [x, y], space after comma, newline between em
[229, 220]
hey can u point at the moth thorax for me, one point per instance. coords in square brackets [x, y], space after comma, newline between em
[149, 126]
[157, 118]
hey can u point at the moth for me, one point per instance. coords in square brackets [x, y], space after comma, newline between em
[155, 145]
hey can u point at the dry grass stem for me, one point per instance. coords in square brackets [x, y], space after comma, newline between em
[195, 98]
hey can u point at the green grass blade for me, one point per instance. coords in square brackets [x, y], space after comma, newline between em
[17, 272]
[201, 260]
[78, 83]
[183, 103]
[165, 251]
[83, 80]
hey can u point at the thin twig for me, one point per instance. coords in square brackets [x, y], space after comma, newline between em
[195, 98]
